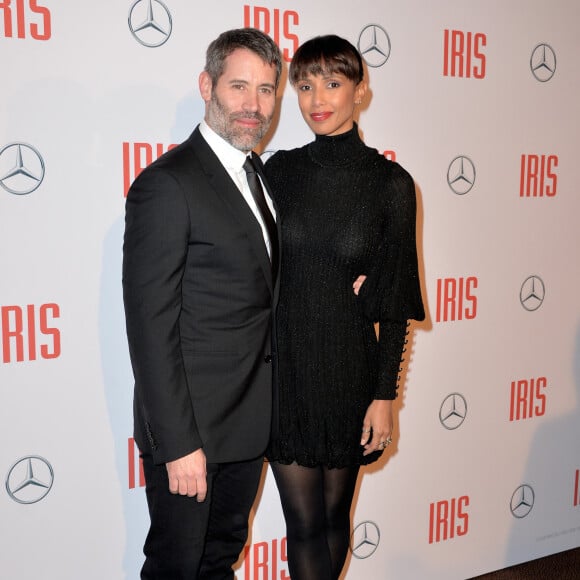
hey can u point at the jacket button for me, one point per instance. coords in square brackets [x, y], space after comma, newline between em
[268, 358]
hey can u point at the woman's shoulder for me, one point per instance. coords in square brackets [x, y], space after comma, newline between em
[389, 171]
[284, 160]
[286, 155]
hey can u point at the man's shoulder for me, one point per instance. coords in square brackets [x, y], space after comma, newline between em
[179, 155]
[176, 166]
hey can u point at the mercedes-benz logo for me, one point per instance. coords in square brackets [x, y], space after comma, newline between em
[522, 501]
[150, 22]
[365, 540]
[21, 168]
[532, 293]
[374, 45]
[29, 479]
[453, 411]
[461, 175]
[543, 62]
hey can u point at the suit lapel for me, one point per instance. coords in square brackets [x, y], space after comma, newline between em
[229, 193]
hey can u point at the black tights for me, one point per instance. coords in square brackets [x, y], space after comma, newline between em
[316, 503]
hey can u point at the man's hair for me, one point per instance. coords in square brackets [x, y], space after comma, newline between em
[248, 38]
[326, 55]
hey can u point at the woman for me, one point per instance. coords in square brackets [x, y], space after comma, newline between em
[345, 210]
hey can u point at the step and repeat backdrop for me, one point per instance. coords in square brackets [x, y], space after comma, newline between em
[477, 100]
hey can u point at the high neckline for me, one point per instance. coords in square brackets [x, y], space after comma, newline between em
[337, 150]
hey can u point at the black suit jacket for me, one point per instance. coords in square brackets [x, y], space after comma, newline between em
[198, 295]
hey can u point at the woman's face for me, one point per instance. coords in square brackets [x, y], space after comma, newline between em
[327, 102]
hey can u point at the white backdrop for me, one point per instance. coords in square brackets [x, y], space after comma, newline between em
[478, 100]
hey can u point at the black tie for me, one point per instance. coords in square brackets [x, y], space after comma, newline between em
[260, 199]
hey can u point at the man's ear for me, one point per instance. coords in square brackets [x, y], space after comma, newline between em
[205, 86]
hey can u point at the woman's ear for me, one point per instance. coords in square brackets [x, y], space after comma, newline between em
[359, 92]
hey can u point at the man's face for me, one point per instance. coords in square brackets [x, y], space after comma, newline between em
[239, 108]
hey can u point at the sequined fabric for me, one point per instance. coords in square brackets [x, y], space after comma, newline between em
[345, 210]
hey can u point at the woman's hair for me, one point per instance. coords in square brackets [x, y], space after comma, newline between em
[326, 55]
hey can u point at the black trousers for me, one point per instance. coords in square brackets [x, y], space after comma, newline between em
[191, 540]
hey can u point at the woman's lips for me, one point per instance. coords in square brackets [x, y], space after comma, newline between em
[320, 116]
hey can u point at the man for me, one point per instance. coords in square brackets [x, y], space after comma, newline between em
[199, 266]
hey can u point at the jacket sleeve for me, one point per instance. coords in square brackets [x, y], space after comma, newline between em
[391, 294]
[154, 255]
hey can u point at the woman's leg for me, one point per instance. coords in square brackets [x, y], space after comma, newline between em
[302, 496]
[339, 487]
[316, 503]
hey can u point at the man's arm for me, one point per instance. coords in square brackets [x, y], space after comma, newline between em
[154, 257]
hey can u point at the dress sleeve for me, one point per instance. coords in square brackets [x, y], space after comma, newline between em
[392, 341]
[391, 294]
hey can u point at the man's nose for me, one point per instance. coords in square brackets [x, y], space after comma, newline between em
[251, 101]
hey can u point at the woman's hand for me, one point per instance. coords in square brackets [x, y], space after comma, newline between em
[378, 424]
[358, 283]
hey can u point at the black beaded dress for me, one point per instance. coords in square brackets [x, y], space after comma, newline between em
[345, 210]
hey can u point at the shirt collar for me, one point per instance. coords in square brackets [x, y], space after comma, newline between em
[230, 157]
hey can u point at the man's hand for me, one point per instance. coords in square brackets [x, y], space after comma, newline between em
[187, 475]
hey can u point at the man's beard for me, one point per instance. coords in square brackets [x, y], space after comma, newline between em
[222, 121]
